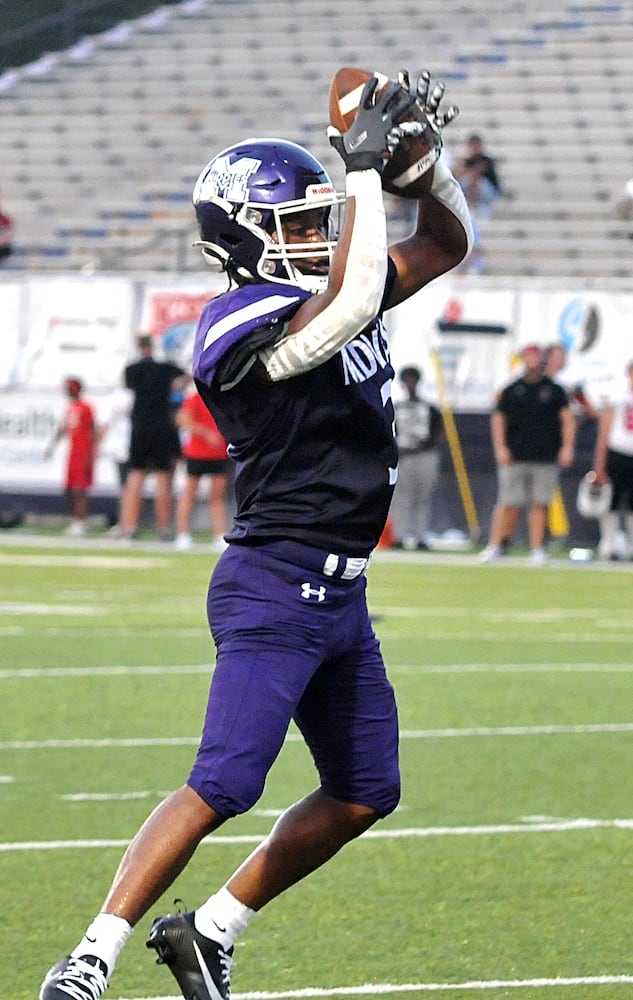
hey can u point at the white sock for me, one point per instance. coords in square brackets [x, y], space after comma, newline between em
[608, 531]
[222, 918]
[104, 938]
[629, 533]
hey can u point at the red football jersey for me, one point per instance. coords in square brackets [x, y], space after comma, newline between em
[79, 427]
[210, 447]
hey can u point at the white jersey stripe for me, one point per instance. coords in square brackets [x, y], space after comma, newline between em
[251, 312]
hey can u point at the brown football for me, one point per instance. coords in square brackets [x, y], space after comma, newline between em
[409, 172]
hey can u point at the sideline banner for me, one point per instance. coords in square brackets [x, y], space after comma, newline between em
[12, 312]
[76, 325]
[472, 332]
[595, 328]
[86, 326]
[28, 421]
[170, 313]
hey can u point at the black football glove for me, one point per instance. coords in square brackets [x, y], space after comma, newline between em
[428, 100]
[374, 133]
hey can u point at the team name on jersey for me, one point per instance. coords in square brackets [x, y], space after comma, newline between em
[365, 355]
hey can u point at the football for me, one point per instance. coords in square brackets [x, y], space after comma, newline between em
[409, 172]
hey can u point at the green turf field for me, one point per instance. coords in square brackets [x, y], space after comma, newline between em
[506, 870]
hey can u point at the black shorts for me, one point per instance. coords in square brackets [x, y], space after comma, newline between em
[620, 472]
[153, 449]
[198, 467]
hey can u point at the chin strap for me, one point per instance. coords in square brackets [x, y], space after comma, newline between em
[359, 297]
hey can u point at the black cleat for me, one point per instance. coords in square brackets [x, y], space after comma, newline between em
[200, 966]
[84, 978]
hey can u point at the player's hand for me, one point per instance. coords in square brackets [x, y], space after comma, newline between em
[428, 96]
[375, 132]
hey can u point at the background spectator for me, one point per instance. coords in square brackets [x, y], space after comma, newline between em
[419, 430]
[533, 433]
[78, 426]
[154, 442]
[555, 368]
[624, 205]
[484, 166]
[477, 174]
[204, 450]
[613, 461]
[6, 235]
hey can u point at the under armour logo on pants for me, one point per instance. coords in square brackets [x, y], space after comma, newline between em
[309, 593]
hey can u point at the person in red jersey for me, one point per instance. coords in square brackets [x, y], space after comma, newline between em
[78, 426]
[205, 452]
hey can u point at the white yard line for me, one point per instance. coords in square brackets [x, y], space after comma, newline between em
[375, 989]
[550, 729]
[385, 989]
[104, 671]
[84, 562]
[121, 670]
[511, 668]
[550, 614]
[569, 638]
[80, 610]
[553, 825]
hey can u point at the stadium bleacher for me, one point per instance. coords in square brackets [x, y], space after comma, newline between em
[100, 144]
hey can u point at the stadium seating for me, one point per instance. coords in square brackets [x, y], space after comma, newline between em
[100, 144]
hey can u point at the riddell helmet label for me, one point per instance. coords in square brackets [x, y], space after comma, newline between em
[316, 191]
[227, 180]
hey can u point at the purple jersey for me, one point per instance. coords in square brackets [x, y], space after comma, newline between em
[315, 454]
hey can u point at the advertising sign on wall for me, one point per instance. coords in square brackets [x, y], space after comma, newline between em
[468, 333]
[170, 312]
[595, 328]
[11, 310]
[75, 326]
[464, 336]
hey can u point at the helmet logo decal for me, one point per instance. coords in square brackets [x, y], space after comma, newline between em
[228, 180]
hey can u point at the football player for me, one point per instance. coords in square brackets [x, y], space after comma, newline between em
[293, 362]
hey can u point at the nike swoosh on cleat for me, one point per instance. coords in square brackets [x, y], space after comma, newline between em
[212, 989]
[222, 930]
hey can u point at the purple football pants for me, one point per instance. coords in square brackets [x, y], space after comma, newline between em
[295, 643]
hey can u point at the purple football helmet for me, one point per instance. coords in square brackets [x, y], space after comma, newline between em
[242, 200]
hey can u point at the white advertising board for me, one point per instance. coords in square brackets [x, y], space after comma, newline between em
[170, 312]
[595, 328]
[470, 332]
[86, 326]
[28, 420]
[11, 310]
[75, 326]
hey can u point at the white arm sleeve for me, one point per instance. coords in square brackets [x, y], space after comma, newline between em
[358, 300]
[448, 192]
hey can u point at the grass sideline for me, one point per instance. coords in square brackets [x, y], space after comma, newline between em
[505, 865]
